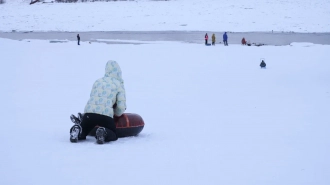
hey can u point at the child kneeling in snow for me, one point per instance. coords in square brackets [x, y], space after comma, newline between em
[107, 99]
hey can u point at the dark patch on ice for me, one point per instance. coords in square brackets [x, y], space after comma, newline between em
[57, 41]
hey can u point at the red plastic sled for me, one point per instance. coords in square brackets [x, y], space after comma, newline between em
[128, 124]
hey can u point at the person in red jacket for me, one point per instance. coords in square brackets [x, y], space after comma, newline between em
[206, 38]
[243, 41]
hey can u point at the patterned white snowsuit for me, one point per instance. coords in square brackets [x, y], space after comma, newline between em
[108, 93]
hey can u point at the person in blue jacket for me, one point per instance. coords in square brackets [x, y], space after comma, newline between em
[225, 39]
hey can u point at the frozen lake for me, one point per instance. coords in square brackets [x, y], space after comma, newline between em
[129, 37]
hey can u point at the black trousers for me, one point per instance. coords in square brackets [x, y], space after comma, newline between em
[79, 42]
[90, 120]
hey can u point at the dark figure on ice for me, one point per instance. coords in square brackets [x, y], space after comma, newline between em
[206, 38]
[225, 39]
[243, 41]
[78, 38]
[263, 64]
[213, 39]
[107, 99]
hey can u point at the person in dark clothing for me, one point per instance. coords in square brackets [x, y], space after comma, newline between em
[206, 38]
[225, 39]
[263, 64]
[78, 38]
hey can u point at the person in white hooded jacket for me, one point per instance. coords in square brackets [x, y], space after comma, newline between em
[107, 99]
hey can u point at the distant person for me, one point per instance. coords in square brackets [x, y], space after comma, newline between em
[243, 41]
[78, 38]
[107, 99]
[213, 39]
[263, 64]
[225, 39]
[206, 38]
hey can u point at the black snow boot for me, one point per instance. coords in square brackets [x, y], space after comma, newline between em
[74, 119]
[80, 116]
[100, 135]
[75, 132]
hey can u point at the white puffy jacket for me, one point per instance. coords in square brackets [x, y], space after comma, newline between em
[108, 93]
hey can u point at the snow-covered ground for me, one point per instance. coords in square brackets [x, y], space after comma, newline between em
[212, 115]
[146, 15]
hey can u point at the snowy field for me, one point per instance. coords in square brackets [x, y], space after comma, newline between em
[186, 15]
[212, 115]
